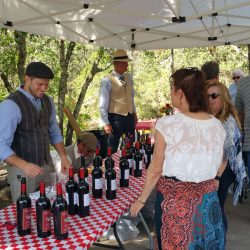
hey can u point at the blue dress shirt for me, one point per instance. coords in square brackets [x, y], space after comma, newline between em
[105, 95]
[11, 116]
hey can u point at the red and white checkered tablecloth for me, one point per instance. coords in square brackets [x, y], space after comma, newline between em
[83, 232]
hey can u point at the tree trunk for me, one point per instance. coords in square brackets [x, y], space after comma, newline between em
[248, 48]
[172, 61]
[94, 70]
[20, 39]
[64, 62]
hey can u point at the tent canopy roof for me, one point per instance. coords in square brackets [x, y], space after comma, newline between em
[132, 24]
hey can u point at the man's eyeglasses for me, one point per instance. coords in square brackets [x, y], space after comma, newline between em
[236, 77]
[213, 95]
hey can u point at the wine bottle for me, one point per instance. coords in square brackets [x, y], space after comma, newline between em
[23, 205]
[109, 161]
[137, 161]
[124, 170]
[71, 193]
[97, 161]
[132, 147]
[43, 214]
[123, 142]
[86, 173]
[83, 195]
[148, 153]
[129, 156]
[97, 175]
[60, 214]
[110, 178]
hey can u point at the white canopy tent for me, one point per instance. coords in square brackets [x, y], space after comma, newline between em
[133, 24]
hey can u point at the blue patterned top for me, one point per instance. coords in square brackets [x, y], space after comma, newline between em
[233, 153]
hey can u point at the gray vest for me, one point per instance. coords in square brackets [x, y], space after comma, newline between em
[31, 138]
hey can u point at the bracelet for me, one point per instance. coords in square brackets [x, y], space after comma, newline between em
[141, 201]
[217, 177]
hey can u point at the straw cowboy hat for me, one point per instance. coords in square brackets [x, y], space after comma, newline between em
[121, 56]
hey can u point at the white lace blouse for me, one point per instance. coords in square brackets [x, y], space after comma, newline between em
[194, 148]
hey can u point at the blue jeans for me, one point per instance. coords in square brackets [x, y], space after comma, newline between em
[246, 158]
[227, 178]
[120, 124]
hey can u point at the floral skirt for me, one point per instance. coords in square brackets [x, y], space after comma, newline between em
[188, 216]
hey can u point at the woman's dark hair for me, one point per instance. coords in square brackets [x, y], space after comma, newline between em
[192, 82]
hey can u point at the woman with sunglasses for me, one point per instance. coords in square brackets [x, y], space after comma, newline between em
[236, 75]
[222, 108]
[188, 154]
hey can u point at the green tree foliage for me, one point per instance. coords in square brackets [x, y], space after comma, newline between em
[87, 65]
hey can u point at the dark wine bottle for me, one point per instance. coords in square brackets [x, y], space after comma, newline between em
[83, 195]
[43, 214]
[123, 142]
[110, 178]
[97, 161]
[124, 170]
[60, 214]
[23, 205]
[86, 173]
[71, 193]
[129, 156]
[137, 161]
[132, 147]
[97, 175]
[148, 153]
[109, 161]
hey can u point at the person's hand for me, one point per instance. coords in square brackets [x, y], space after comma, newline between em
[135, 208]
[65, 165]
[108, 129]
[32, 170]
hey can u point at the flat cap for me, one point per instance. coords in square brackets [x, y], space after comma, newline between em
[88, 139]
[39, 70]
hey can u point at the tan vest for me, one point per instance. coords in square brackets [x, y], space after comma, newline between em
[121, 100]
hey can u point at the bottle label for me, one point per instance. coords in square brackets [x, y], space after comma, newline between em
[130, 161]
[140, 165]
[86, 200]
[146, 158]
[26, 218]
[98, 183]
[76, 202]
[64, 222]
[86, 179]
[113, 185]
[46, 224]
[126, 174]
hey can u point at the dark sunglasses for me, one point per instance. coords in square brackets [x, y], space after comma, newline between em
[236, 77]
[213, 95]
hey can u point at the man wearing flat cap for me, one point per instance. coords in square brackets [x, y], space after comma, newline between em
[117, 107]
[85, 146]
[27, 128]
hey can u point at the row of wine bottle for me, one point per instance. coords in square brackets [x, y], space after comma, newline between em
[77, 194]
[145, 148]
[43, 213]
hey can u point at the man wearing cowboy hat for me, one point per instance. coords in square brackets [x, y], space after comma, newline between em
[85, 146]
[117, 107]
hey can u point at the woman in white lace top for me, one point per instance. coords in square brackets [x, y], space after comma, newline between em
[187, 160]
